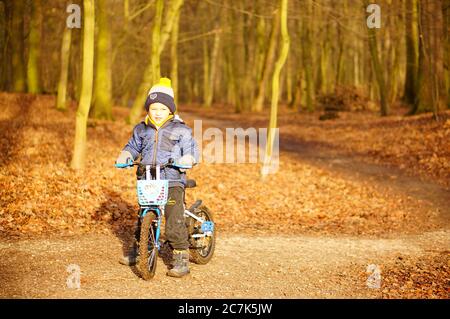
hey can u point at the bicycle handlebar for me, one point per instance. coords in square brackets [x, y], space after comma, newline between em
[170, 162]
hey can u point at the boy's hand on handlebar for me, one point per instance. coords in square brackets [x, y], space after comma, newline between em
[185, 162]
[124, 160]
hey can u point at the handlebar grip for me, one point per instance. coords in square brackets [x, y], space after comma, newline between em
[121, 165]
[183, 166]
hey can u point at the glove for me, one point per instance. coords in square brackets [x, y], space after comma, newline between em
[185, 161]
[124, 157]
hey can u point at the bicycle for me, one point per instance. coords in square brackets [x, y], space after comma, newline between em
[152, 197]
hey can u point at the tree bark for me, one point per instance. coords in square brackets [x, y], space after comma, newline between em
[412, 51]
[3, 42]
[258, 105]
[285, 43]
[213, 69]
[34, 41]
[102, 106]
[378, 69]
[431, 95]
[308, 61]
[79, 153]
[446, 15]
[64, 72]
[17, 39]
[174, 56]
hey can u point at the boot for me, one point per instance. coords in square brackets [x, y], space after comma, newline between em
[131, 259]
[180, 264]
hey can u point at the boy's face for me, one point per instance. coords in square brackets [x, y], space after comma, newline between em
[158, 112]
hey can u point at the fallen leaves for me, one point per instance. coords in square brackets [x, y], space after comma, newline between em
[39, 192]
[428, 277]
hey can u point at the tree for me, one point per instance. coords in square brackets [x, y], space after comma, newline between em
[431, 91]
[34, 41]
[446, 30]
[79, 153]
[17, 38]
[412, 51]
[64, 72]
[102, 108]
[268, 63]
[378, 69]
[308, 60]
[174, 56]
[3, 41]
[285, 43]
[209, 87]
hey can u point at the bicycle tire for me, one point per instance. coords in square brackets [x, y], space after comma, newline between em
[148, 249]
[204, 255]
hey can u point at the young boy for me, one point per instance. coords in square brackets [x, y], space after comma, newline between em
[163, 135]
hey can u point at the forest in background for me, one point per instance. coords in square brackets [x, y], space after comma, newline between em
[224, 51]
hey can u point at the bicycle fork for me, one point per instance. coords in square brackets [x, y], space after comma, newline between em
[158, 223]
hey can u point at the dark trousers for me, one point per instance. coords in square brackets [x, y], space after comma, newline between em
[176, 231]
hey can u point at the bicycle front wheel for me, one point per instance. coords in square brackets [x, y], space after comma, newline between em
[148, 248]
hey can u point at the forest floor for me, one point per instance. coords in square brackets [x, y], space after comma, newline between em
[349, 193]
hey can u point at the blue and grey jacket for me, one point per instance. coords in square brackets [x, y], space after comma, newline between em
[155, 146]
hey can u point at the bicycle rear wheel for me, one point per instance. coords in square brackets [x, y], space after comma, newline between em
[202, 248]
[148, 248]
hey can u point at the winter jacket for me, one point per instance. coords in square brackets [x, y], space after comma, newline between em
[172, 140]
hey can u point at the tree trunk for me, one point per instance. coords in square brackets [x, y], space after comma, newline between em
[17, 40]
[285, 42]
[64, 72]
[3, 42]
[378, 69]
[213, 69]
[34, 41]
[394, 53]
[205, 69]
[446, 14]
[79, 153]
[308, 61]
[337, 80]
[156, 42]
[323, 83]
[231, 91]
[412, 51]
[238, 62]
[431, 94]
[289, 81]
[268, 64]
[174, 56]
[260, 48]
[103, 75]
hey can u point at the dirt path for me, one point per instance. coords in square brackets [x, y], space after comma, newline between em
[243, 267]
